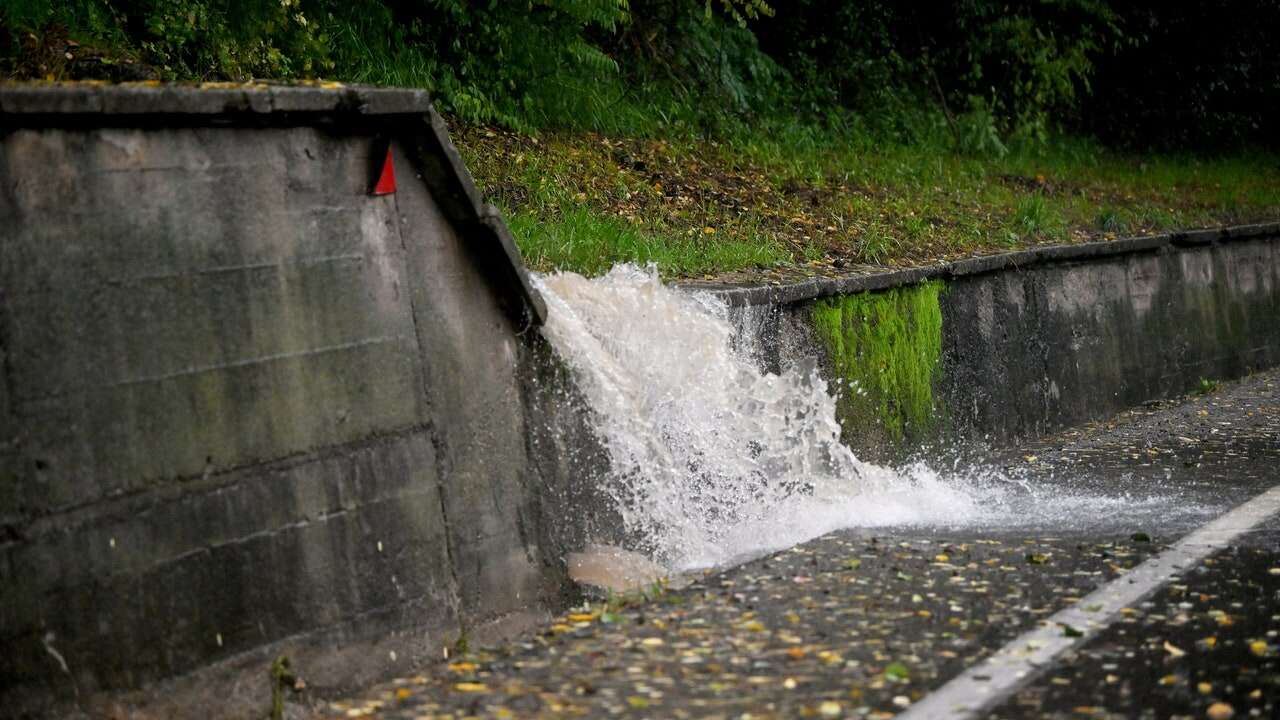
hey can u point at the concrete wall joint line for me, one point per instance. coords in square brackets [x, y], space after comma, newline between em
[217, 270]
[254, 536]
[230, 365]
[165, 490]
[439, 453]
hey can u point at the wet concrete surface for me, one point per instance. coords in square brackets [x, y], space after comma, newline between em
[863, 623]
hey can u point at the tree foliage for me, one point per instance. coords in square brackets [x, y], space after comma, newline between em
[983, 73]
[994, 69]
[191, 39]
[1197, 75]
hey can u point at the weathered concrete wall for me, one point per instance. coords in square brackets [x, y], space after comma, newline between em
[250, 409]
[1038, 341]
[1057, 345]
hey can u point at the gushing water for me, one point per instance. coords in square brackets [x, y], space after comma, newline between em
[712, 459]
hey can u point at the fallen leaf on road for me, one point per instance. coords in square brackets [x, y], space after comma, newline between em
[1220, 711]
[897, 671]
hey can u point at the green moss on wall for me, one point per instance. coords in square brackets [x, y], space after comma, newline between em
[885, 349]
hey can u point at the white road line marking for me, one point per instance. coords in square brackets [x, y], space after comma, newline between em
[980, 688]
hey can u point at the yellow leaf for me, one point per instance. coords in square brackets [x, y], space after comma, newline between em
[1220, 711]
[471, 687]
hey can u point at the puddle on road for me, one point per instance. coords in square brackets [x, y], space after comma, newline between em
[714, 461]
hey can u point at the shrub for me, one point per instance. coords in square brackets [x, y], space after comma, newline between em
[182, 39]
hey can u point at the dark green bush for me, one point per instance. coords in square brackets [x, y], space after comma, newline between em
[511, 62]
[997, 70]
[1197, 76]
[187, 39]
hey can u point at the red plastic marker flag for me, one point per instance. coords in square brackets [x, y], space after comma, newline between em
[387, 179]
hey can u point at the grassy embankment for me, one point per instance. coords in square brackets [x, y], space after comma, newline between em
[817, 201]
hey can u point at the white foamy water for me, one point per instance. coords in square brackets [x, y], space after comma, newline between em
[713, 460]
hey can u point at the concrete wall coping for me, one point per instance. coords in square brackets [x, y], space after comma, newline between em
[18, 99]
[746, 294]
[403, 113]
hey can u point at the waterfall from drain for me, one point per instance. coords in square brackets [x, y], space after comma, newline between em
[711, 458]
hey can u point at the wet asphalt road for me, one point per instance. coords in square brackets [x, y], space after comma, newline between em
[865, 623]
[1210, 639]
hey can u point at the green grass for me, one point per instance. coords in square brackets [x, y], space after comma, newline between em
[1109, 220]
[1035, 217]
[589, 242]
[1207, 386]
[802, 196]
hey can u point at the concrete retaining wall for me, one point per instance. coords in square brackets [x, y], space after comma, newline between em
[1044, 339]
[249, 409]
[1061, 344]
